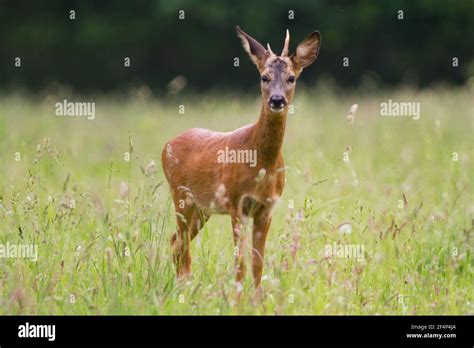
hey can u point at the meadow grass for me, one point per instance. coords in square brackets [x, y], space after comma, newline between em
[102, 225]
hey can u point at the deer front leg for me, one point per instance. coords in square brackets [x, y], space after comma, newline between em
[189, 222]
[261, 225]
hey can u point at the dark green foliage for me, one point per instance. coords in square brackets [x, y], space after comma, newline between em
[88, 53]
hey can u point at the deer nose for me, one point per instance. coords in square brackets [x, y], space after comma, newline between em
[277, 101]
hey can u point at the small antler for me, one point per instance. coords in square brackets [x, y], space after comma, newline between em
[284, 53]
[269, 48]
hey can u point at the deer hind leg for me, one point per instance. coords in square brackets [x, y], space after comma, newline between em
[190, 220]
[238, 230]
[180, 244]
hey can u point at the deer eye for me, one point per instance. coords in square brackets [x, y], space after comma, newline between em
[291, 79]
[265, 79]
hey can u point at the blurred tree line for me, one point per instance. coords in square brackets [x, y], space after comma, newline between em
[391, 42]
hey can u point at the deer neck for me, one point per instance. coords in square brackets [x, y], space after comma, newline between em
[268, 137]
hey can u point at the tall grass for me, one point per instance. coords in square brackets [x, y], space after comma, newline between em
[102, 224]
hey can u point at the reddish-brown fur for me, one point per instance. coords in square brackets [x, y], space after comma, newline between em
[201, 186]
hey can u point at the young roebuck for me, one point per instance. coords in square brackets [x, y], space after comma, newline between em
[201, 184]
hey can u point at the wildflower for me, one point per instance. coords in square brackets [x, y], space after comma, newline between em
[150, 168]
[345, 228]
[352, 112]
[261, 174]
[220, 195]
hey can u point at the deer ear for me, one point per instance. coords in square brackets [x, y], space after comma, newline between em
[256, 51]
[307, 51]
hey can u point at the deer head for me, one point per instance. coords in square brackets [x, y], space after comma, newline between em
[278, 73]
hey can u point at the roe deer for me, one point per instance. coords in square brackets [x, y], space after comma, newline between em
[202, 185]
